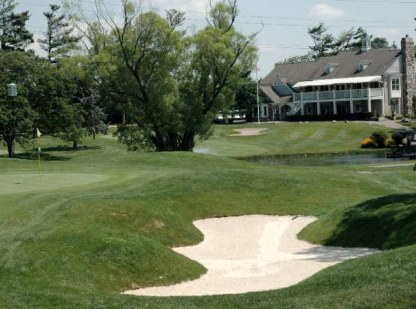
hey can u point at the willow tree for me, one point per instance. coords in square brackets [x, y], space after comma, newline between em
[174, 83]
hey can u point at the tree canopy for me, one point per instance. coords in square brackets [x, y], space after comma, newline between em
[174, 84]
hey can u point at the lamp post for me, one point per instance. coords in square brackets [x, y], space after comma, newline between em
[257, 97]
[12, 92]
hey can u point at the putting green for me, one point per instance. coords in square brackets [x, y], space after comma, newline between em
[24, 182]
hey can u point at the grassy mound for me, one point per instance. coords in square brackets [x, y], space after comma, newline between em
[385, 223]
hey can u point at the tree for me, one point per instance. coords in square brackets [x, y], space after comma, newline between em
[174, 84]
[58, 41]
[298, 59]
[217, 58]
[246, 97]
[86, 115]
[41, 101]
[14, 35]
[349, 39]
[94, 34]
[326, 44]
[322, 40]
[379, 42]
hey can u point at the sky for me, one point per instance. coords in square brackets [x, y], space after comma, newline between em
[282, 25]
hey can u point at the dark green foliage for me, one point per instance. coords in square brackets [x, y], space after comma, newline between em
[326, 44]
[14, 35]
[379, 42]
[59, 40]
[379, 137]
[398, 138]
[298, 59]
[173, 86]
[246, 97]
[349, 39]
[322, 41]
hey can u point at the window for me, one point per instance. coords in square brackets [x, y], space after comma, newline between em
[395, 84]
[362, 67]
[394, 105]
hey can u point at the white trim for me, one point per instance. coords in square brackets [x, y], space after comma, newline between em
[334, 81]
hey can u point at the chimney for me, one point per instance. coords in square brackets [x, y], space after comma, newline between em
[409, 71]
[365, 43]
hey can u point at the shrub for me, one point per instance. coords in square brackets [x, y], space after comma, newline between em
[368, 143]
[379, 138]
[398, 138]
[389, 142]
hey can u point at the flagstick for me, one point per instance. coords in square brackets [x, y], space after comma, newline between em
[38, 140]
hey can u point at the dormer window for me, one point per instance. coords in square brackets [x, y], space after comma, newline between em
[330, 67]
[363, 65]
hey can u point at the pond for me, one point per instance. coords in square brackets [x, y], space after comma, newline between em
[325, 159]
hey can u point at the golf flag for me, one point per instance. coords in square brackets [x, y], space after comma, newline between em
[38, 134]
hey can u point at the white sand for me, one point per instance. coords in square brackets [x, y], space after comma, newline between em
[249, 131]
[253, 253]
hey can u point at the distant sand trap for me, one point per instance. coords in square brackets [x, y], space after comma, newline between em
[253, 253]
[26, 182]
[249, 131]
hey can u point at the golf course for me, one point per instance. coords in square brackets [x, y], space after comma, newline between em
[80, 227]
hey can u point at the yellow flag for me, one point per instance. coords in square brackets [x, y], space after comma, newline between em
[38, 134]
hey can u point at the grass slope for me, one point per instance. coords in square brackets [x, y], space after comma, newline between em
[76, 240]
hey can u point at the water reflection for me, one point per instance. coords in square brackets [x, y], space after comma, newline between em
[325, 159]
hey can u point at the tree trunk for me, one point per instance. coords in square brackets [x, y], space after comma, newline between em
[188, 141]
[74, 145]
[10, 147]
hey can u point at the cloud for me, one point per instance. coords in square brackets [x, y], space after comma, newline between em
[323, 10]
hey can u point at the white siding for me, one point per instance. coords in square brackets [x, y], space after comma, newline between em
[395, 67]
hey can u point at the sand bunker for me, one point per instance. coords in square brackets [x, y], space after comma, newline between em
[253, 253]
[249, 131]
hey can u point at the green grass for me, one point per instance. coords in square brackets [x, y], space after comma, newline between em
[101, 220]
[288, 138]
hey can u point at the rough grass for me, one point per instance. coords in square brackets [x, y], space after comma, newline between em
[81, 243]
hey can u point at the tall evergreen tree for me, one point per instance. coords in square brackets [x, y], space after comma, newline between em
[59, 39]
[14, 35]
[322, 40]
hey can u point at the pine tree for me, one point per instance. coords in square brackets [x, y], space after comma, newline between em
[14, 35]
[58, 41]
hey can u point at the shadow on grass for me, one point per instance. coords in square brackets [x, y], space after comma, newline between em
[68, 148]
[385, 223]
[34, 157]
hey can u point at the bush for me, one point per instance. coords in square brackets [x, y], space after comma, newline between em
[379, 137]
[389, 142]
[368, 143]
[398, 138]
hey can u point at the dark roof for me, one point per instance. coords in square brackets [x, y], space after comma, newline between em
[346, 66]
[282, 90]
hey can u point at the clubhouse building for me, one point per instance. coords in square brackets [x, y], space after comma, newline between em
[357, 82]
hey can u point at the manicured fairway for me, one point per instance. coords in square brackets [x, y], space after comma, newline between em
[102, 220]
[40, 181]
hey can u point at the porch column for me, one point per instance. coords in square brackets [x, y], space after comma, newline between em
[302, 108]
[369, 98]
[334, 104]
[383, 107]
[318, 104]
[351, 102]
